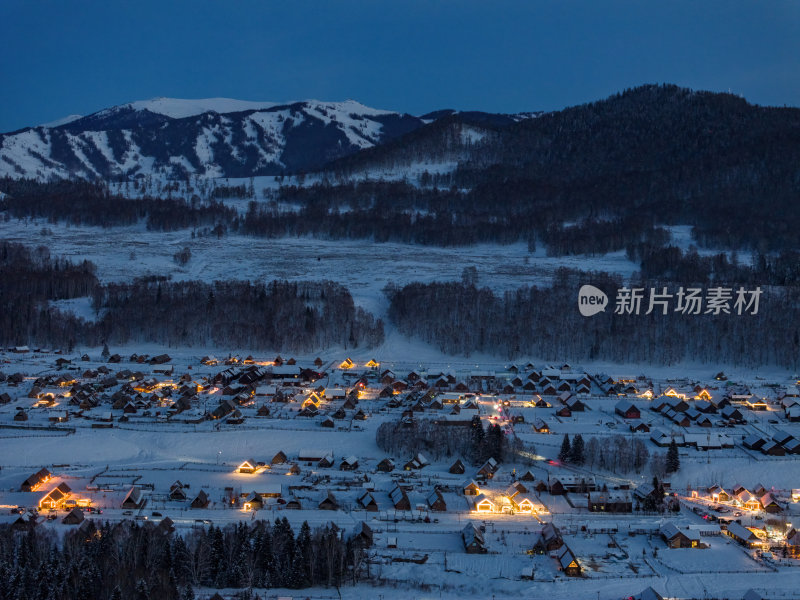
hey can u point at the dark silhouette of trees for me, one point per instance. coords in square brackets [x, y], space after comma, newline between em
[566, 450]
[126, 560]
[673, 459]
[576, 456]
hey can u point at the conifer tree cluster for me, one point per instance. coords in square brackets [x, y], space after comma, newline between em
[125, 561]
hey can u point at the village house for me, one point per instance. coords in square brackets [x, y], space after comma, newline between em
[678, 538]
[610, 502]
[399, 498]
[418, 462]
[570, 483]
[363, 535]
[349, 464]
[471, 488]
[56, 497]
[328, 502]
[367, 502]
[568, 563]
[74, 517]
[540, 426]
[32, 483]
[385, 466]
[770, 505]
[472, 537]
[247, 467]
[483, 503]
[742, 535]
[457, 468]
[436, 501]
[201, 500]
[177, 491]
[627, 410]
[133, 499]
[488, 469]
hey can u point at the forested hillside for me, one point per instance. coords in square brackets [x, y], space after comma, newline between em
[460, 318]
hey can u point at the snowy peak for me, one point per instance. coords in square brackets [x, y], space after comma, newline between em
[212, 137]
[178, 108]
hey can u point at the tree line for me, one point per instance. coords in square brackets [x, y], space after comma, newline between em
[91, 203]
[460, 318]
[476, 443]
[291, 315]
[121, 561]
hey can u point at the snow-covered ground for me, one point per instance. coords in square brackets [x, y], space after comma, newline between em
[364, 267]
[148, 451]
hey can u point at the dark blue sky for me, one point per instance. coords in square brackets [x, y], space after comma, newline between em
[61, 57]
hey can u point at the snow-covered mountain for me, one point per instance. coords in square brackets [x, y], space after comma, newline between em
[215, 137]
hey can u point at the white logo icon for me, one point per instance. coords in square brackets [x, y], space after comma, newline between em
[591, 300]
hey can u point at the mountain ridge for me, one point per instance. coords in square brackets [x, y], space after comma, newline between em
[212, 137]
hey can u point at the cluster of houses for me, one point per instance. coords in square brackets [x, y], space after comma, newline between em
[516, 498]
[513, 379]
[358, 493]
[93, 393]
[701, 412]
[758, 499]
[780, 444]
[548, 541]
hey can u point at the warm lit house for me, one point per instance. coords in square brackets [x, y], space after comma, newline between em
[527, 503]
[742, 535]
[254, 502]
[540, 426]
[32, 483]
[483, 504]
[471, 488]
[718, 494]
[679, 538]
[568, 563]
[247, 467]
[56, 497]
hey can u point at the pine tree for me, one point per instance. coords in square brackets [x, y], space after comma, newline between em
[217, 574]
[188, 593]
[106, 353]
[494, 443]
[116, 594]
[564, 453]
[673, 460]
[478, 438]
[303, 561]
[576, 455]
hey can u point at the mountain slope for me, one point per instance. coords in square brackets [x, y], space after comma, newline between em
[216, 137]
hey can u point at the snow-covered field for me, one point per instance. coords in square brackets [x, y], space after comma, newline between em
[365, 268]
